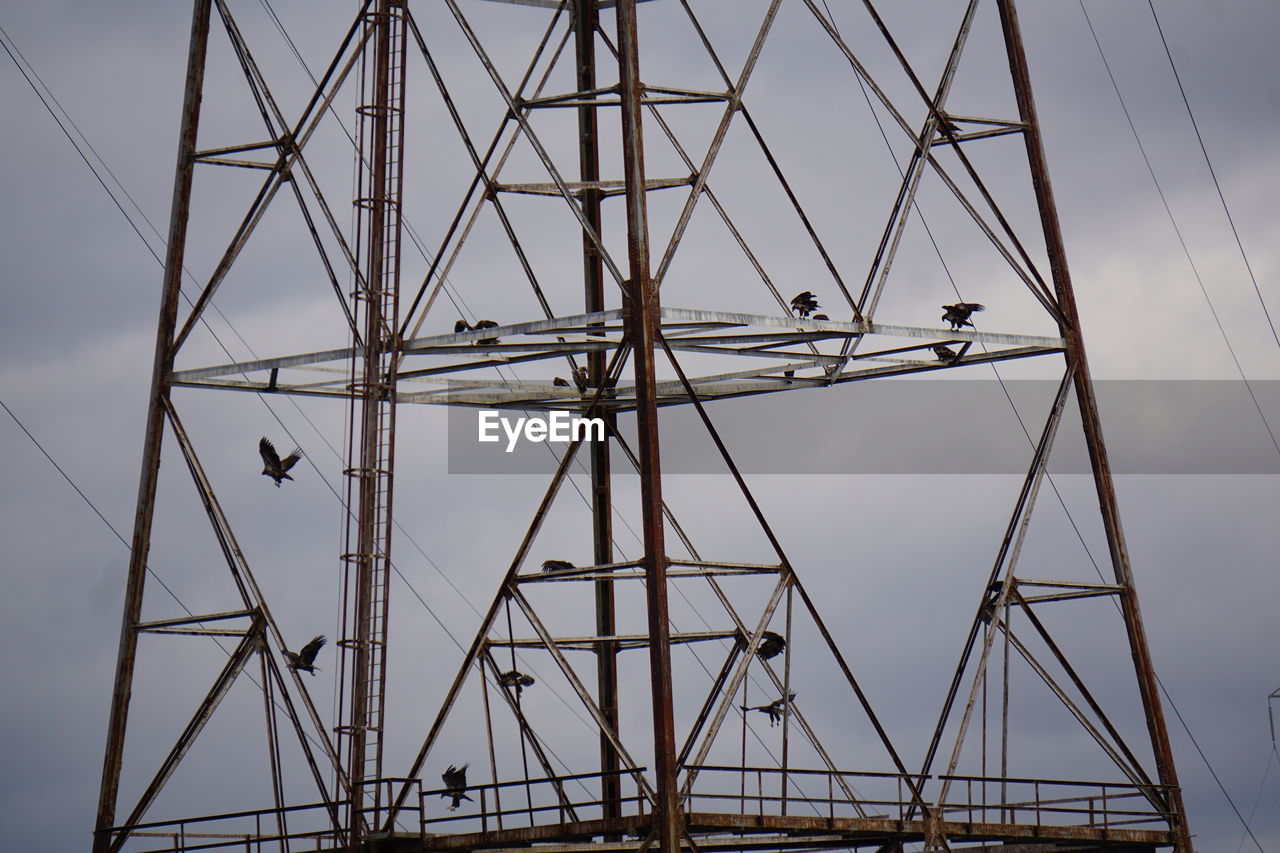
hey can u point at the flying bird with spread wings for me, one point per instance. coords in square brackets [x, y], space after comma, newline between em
[455, 784]
[804, 303]
[273, 466]
[774, 709]
[771, 645]
[958, 315]
[305, 660]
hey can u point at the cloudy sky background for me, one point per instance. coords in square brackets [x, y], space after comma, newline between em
[888, 555]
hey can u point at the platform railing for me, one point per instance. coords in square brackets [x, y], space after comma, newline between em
[296, 829]
[531, 802]
[969, 799]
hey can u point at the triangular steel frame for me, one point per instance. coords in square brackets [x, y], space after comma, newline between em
[395, 356]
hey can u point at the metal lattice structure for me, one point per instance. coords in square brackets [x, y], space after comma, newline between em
[667, 779]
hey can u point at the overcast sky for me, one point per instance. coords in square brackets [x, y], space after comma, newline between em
[887, 556]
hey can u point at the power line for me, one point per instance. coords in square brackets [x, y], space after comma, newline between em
[1195, 270]
[1213, 174]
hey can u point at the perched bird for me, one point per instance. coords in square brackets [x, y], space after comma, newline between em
[461, 326]
[581, 378]
[958, 315]
[821, 317]
[774, 709]
[804, 303]
[273, 466]
[945, 353]
[771, 645]
[305, 660]
[560, 382]
[455, 783]
[485, 324]
[557, 565]
[515, 678]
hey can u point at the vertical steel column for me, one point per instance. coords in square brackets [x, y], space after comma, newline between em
[1070, 330]
[640, 321]
[162, 367]
[586, 17]
[368, 562]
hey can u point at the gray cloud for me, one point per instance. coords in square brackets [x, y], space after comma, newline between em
[80, 303]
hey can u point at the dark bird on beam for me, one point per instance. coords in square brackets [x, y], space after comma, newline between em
[515, 678]
[560, 382]
[273, 466]
[804, 303]
[485, 324]
[455, 784]
[771, 645]
[557, 565]
[945, 353]
[821, 317]
[582, 379]
[958, 315]
[305, 660]
[774, 709]
[461, 326]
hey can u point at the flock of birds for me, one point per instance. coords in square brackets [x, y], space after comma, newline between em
[804, 304]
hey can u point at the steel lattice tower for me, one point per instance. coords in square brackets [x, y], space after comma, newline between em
[664, 779]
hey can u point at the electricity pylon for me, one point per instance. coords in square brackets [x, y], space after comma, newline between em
[662, 770]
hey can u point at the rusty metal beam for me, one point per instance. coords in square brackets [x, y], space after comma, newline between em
[217, 692]
[586, 20]
[162, 367]
[642, 323]
[1069, 324]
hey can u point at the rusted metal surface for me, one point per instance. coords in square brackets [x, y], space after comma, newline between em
[586, 19]
[1078, 363]
[679, 807]
[641, 320]
[371, 453]
[162, 367]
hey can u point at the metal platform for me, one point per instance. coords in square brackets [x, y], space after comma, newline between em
[458, 369]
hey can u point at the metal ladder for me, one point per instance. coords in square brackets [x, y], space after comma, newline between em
[371, 453]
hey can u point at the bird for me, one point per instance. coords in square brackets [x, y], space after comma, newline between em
[455, 786]
[771, 645]
[557, 565]
[485, 324]
[515, 678]
[305, 660]
[821, 317]
[560, 382]
[461, 326]
[774, 709]
[804, 303]
[273, 466]
[945, 353]
[958, 315]
[581, 378]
